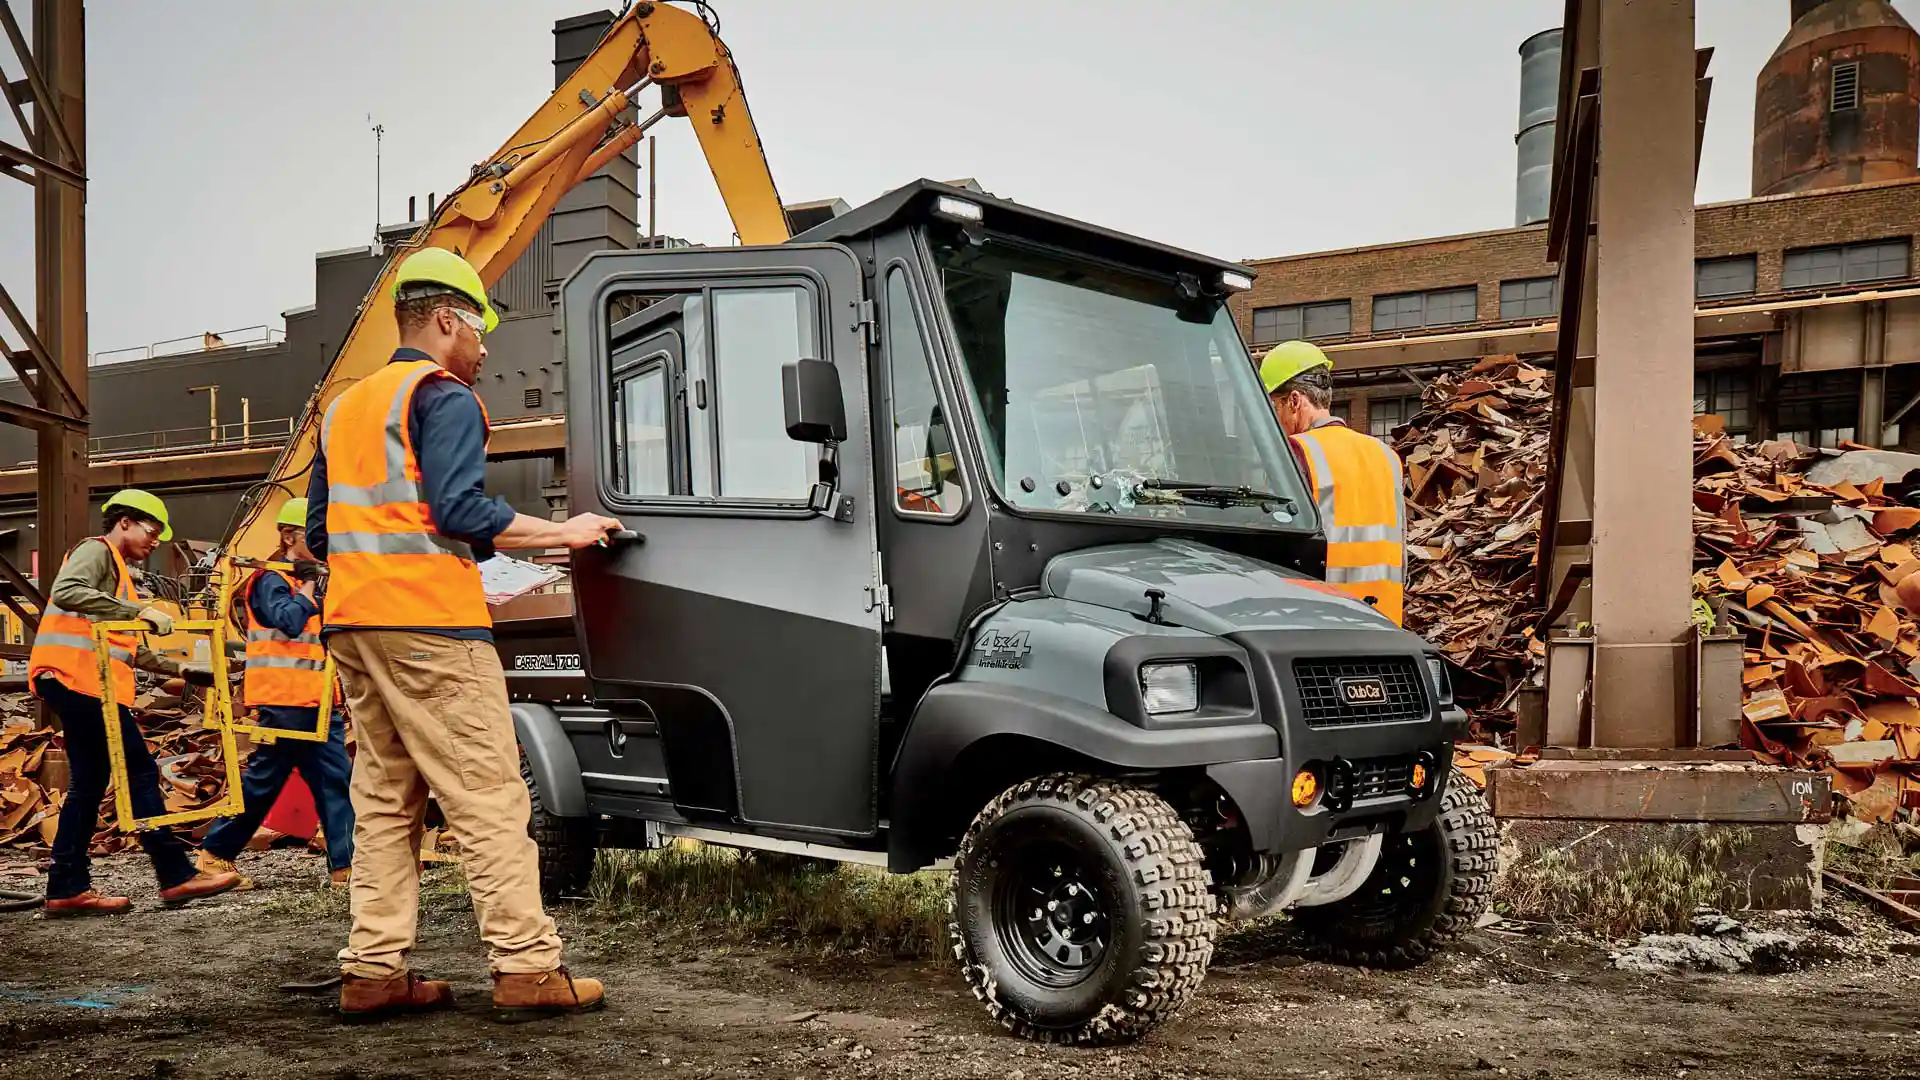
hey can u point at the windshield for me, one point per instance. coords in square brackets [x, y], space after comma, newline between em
[1101, 392]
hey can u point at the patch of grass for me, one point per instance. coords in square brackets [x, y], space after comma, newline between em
[1873, 858]
[845, 908]
[1614, 892]
[442, 885]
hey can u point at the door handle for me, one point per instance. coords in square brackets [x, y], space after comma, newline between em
[623, 536]
[616, 738]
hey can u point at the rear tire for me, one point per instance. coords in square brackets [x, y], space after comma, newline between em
[1428, 888]
[566, 845]
[1081, 910]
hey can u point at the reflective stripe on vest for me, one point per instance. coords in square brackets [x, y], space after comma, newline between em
[63, 646]
[1357, 486]
[283, 670]
[386, 564]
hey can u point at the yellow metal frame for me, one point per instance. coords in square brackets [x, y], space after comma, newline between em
[229, 582]
[218, 716]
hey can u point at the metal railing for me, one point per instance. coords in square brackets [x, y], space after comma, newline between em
[251, 337]
[203, 437]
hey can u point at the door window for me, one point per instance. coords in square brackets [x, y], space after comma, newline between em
[641, 448]
[755, 333]
[926, 475]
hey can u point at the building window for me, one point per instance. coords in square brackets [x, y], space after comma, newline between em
[1817, 409]
[1723, 277]
[1530, 298]
[1385, 414]
[1332, 318]
[1441, 307]
[1727, 395]
[1877, 260]
[1342, 410]
[1846, 86]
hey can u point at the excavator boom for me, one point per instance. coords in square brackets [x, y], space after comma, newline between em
[493, 218]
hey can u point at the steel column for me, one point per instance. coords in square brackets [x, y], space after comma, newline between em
[1643, 373]
[59, 67]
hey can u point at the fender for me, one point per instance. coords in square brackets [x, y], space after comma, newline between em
[954, 716]
[556, 771]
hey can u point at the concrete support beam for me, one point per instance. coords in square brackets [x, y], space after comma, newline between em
[1643, 374]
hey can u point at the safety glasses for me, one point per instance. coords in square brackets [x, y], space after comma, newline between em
[474, 322]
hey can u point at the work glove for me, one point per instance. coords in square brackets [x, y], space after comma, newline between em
[197, 674]
[161, 622]
[308, 569]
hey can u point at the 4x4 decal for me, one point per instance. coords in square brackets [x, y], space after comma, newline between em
[998, 650]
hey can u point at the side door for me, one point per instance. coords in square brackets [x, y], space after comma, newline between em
[741, 619]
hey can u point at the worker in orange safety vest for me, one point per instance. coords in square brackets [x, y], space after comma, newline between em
[1356, 478]
[286, 677]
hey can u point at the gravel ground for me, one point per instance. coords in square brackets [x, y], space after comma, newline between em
[192, 995]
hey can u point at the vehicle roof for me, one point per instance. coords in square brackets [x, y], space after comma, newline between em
[1005, 215]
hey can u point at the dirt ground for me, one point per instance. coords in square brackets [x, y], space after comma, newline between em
[193, 995]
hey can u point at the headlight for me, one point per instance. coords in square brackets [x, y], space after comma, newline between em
[1442, 686]
[1170, 688]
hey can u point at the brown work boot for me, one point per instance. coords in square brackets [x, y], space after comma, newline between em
[199, 885]
[529, 996]
[342, 877]
[87, 903]
[362, 1000]
[208, 863]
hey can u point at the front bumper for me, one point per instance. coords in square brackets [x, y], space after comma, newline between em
[1364, 765]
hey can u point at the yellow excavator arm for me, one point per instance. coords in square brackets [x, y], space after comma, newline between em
[494, 217]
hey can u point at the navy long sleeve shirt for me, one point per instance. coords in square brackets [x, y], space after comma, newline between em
[449, 434]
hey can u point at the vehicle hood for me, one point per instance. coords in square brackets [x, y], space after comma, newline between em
[1206, 589]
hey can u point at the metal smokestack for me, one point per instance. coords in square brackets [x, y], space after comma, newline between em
[1539, 102]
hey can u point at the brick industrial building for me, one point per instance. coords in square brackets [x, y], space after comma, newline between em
[1807, 310]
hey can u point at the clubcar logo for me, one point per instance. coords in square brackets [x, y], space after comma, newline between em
[1362, 692]
[998, 650]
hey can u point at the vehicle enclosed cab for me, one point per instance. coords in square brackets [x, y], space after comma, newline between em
[962, 531]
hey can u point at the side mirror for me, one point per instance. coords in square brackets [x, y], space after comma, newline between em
[810, 390]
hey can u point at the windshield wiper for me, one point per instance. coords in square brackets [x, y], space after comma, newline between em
[1218, 494]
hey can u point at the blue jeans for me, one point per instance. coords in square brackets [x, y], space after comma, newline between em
[324, 766]
[85, 734]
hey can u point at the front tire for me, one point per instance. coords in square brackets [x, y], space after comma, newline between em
[1428, 888]
[566, 845]
[1081, 910]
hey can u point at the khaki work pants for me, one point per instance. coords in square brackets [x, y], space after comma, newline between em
[430, 714]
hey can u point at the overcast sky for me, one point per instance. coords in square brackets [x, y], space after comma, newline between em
[229, 140]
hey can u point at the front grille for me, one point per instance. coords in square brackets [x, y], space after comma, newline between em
[1320, 682]
[1381, 776]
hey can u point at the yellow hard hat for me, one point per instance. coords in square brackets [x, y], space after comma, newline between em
[1288, 360]
[438, 266]
[147, 503]
[292, 512]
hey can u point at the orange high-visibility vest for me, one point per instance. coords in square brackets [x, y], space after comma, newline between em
[283, 670]
[1357, 486]
[63, 646]
[387, 566]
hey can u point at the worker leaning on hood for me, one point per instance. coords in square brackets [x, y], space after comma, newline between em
[398, 509]
[94, 585]
[1356, 478]
[286, 678]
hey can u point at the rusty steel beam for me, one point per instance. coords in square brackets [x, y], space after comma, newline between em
[510, 440]
[58, 75]
[21, 586]
[13, 155]
[46, 99]
[46, 372]
[13, 412]
[1651, 790]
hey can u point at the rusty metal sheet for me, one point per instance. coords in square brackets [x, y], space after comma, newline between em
[1621, 791]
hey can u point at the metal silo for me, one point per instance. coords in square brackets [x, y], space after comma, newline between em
[1539, 101]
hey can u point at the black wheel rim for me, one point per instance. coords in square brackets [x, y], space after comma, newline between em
[1053, 919]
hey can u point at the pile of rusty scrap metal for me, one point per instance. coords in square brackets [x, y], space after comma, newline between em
[1806, 572]
[1476, 463]
[33, 776]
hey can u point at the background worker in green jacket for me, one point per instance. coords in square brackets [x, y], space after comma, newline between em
[95, 585]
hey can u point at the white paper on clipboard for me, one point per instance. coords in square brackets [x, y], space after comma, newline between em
[503, 578]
